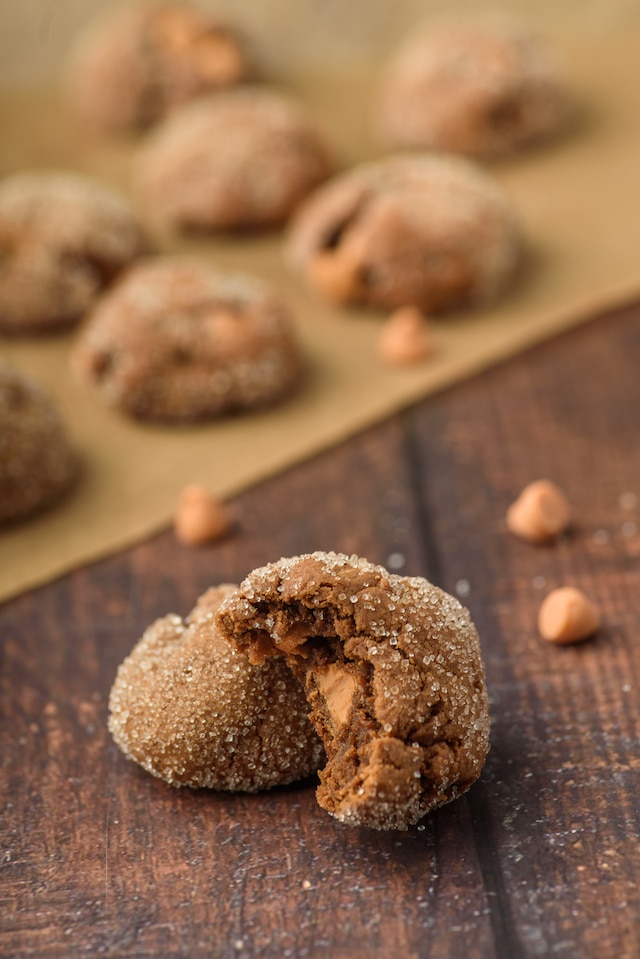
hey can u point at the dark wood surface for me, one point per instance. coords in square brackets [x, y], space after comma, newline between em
[541, 858]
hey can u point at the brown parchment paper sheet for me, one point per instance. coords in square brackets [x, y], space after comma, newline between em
[579, 200]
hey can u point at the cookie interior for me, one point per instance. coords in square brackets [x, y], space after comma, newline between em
[403, 732]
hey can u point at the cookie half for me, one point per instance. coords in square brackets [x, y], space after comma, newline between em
[37, 463]
[193, 711]
[63, 239]
[393, 673]
[433, 232]
[177, 341]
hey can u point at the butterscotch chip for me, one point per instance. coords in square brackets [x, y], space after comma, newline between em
[191, 710]
[238, 160]
[479, 89]
[63, 239]
[541, 512]
[200, 517]
[392, 670]
[133, 68]
[405, 338]
[567, 616]
[37, 463]
[177, 341]
[432, 231]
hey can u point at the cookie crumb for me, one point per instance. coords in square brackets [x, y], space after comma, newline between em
[406, 338]
[540, 513]
[201, 517]
[567, 616]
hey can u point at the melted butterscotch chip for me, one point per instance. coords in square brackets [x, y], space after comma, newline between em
[193, 711]
[177, 341]
[63, 239]
[392, 670]
[479, 89]
[131, 69]
[37, 464]
[432, 231]
[243, 159]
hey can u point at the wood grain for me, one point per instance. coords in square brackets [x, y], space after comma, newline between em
[541, 858]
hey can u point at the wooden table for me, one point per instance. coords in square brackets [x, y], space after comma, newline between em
[541, 858]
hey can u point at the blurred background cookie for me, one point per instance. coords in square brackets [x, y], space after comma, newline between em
[191, 710]
[242, 159]
[37, 464]
[131, 69]
[428, 231]
[177, 341]
[63, 239]
[479, 89]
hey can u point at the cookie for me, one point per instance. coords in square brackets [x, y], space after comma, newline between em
[239, 160]
[392, 670]
[132, 69]
[63, 239]
[433, 232]
[194, 712]
[479, 89]
[177, 341]
[37, 463]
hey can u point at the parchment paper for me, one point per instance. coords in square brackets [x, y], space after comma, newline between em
[579, 199]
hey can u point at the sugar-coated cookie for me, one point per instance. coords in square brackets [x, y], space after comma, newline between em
[433, 232]
[129, 70]
[63, 238]
[479, 89]
[37, 463]
[393, 673]
[243, 159]
[191, 710]
[175, 340]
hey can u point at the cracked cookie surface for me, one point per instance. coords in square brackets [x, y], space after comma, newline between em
[63, 239]
[393, 673]
[193, 711]
[433, 232]
[177, 341]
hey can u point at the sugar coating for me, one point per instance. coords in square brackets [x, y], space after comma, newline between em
[479, 89]
[393, 673]
[63, 238]
[37, 464]
[244, 158]
[191, 710]
[130, 69]
[176, 340]
[433, 232]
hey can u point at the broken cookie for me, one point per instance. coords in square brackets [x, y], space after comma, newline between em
[177, 341]
[392, 670]
[191, 710]
[434, 232]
